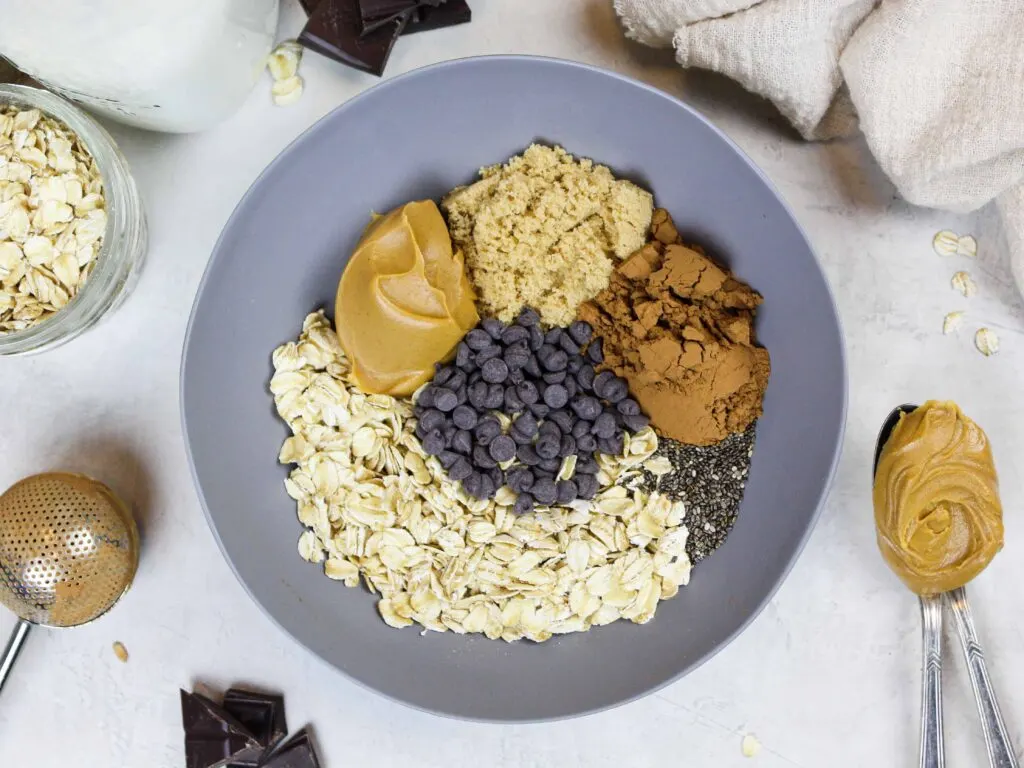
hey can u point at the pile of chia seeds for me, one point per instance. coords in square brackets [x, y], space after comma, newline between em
[710, 480]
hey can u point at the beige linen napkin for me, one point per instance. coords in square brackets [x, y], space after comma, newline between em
[936, 85]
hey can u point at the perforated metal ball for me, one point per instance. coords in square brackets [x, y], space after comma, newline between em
[69, 549]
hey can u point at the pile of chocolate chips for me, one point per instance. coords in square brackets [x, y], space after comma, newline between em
[547, 385]
[246, 731]
[361, 33]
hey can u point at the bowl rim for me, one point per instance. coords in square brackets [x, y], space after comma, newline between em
[819, 504]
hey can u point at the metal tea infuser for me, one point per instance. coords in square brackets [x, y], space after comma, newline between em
[69, 549]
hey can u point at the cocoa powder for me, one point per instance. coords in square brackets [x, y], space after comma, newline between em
[680, 330]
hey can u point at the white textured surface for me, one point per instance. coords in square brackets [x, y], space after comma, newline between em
[826, 676]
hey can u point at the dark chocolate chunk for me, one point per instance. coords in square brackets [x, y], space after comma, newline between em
[309, 6]
[335, 30]
[430, 16]
[262, 713]
[374, 14]
[298, 751]
[213, 737]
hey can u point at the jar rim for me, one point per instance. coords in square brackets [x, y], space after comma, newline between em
[125, 218]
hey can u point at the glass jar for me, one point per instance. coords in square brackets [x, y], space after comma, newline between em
[124, 243]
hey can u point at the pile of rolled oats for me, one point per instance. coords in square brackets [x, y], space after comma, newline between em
[377, 507]
[52, 217]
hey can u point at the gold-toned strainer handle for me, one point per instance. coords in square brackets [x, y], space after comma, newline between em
[13, 648]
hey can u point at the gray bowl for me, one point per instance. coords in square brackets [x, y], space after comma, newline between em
[280, 257]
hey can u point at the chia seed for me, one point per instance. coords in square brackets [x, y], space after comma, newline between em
[710, 480]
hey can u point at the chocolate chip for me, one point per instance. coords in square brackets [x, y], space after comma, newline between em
[595, 352]
[556, 360]
[515, 334]
[544, 491]
[586, 407]
[586, 486]
[460, 470]
[465, 417]
[635, 421]
[580, 332]
[565, 491]
[487, 353]
[445, 400]
[502, 448]
[420, 431]
[487, 429]
[442, 374]
[604, 425]
[610, 445]
[462, 442]
[463, 354]
[525, 424]
[564, 419]
[487, 487]
[532, 368]
[581, 427]
[550, 466]
[434, 442]
[528, 317]
[494, 327]
[585, 377]
[586, 443]
[524, 504]
[431, 419]
[457, 381]
[555, 395]
[449, 433]
[547, 447]
[571, 386]
[448, 458]
[516, 357]
[552, 336]
[512, 402]
[495, 397]
[574, 364]
[515, 377]
[568, 346]
[550, 429]
[567, 447]
[528, 455]
[472, 484]
[616, 391]
[628, 407]
[520, 438]
[426, 398]
[477, 395]
[540, 410]
[495, 371]
[519, 479]
[586, 463]
[536, 338]
[554, 377]
[482, 457]
[527, 392]
[601, 382]
[461, 396]
[477, 339]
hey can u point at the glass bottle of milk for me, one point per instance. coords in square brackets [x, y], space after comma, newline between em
[166, 65]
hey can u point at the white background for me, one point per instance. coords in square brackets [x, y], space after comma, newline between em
[828, 675]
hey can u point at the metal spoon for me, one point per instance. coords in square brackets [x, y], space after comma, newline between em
[997, 739]
[932, 750]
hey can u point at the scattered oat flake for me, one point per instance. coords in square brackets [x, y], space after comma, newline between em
[986, 341]
[121, 652]
[962, 282]
[967, 246]
[283, 61]
[287, 92]
[952, 321]
[945, 242]
[750, 745]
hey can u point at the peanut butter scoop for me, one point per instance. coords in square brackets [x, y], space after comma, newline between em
[936, 496]
[404, 301]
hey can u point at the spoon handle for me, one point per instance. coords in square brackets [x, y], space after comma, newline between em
[932, 750]
[13, 648]
[1000, 748]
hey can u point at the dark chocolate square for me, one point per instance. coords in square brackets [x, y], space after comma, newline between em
[297, 752]
[447, 14]
[309, 6]
[334, 30]
[261, 713]
[213, 738]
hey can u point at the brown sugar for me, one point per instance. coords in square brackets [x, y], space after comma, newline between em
[545, 230]
[680, 330]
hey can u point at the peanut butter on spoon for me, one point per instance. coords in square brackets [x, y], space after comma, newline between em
[938, 516]
[404, 301]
